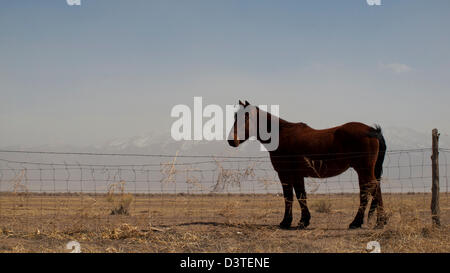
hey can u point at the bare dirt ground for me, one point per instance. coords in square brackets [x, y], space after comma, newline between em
[212, 223]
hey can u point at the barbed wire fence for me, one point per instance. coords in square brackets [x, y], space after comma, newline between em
[65, 191]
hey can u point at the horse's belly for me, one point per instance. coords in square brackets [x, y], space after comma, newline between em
[324, 169]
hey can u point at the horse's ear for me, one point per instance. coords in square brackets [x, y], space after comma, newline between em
[241, 103]
[247, 103]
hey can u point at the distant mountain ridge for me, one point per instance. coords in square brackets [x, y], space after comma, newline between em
[397, 138]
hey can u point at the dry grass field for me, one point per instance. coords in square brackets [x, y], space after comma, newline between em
[212, 223]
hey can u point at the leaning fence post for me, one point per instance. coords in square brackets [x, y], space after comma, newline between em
[435, 212]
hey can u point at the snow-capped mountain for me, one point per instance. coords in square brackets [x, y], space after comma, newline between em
[397, 138]
[165, 144]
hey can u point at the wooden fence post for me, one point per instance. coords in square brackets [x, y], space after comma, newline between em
[435, 211]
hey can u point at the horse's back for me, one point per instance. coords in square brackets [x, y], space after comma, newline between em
[349, 137]
[333, 149]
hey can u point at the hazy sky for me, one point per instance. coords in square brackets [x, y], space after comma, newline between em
[110, 69]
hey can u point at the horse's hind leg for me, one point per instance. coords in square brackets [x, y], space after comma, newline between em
[373, 204]
[299, 187]
[377, 203]
[288, 200]
[381, 217]
[366, 187]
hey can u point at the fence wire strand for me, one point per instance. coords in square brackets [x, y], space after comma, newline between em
[67, 189]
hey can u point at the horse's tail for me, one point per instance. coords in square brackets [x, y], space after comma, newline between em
[376, 132]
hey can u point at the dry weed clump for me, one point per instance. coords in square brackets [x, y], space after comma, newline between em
[169, 171]
[124, 231]
[193, 181]
[231, 177]
[6, 231]
[20, 190]
[119, 199]
[406, 231]
[322, 206]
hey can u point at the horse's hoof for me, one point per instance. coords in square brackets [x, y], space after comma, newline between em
[302, 225]
[285, 225]
[354, 226]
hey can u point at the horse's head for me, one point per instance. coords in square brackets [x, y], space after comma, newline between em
[245, 124]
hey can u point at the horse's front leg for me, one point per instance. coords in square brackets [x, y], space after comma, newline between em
[299, 187]
[288, 200]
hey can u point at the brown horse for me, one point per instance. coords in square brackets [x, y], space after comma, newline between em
[306, 152]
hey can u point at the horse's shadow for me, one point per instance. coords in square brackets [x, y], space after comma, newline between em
[236, 225]
[222, 224]
[256, 226]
